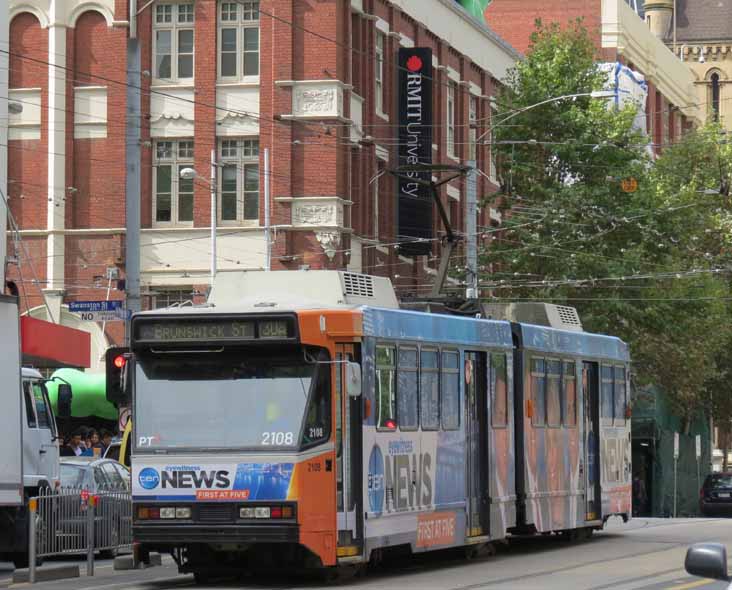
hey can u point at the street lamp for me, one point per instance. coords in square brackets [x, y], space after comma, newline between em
[593, 94]
[191, 174]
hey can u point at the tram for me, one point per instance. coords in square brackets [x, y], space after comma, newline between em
[327, 427]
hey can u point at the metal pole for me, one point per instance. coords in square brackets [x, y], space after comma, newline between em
[32, 510]
[267, 239]
[133, 157]
[471, 231]
[675, 484]
[90, 537]
[214, 215]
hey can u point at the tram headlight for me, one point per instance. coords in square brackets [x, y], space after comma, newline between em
[262, 512]
[246, 512]
[167, 513]
[182, 512]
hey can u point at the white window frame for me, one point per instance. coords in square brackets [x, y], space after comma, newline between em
[246, 157]
[185, 293]
[379, 86]
[450, 106]
[241, 24]
[178, 159]
[174, 27]
[473, 109]
[492, 165]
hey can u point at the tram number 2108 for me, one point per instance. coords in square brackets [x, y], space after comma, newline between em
[278, 439]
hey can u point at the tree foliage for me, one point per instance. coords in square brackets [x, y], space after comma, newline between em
[649, 265]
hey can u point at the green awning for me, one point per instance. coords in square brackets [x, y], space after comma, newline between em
[89, 394]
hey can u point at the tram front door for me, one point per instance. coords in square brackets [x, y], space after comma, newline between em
[591, 393]
[348, 453]
[476, 443]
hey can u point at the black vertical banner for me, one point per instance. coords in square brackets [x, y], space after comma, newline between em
[415, 147]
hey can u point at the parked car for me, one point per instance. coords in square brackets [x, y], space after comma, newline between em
[112, 451]
[715, 496]
[81, 478]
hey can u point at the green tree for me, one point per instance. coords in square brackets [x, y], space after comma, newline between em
[642, 265]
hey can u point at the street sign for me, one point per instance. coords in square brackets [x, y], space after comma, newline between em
[629, 185]
[676, 445]
[698, 446]
[94, 306]
[99, 311]
[124, 417]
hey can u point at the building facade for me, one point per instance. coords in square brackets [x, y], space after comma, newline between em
[701, 36]
[621, 35]
[313, 83]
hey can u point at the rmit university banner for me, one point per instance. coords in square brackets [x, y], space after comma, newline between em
[415, 147]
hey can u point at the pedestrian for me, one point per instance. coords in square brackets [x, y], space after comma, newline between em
[106, 440]
[74, 447]
[96, 445]
[639, 496]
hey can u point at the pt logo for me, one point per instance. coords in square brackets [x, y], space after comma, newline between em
[149, 478]
[376, 481]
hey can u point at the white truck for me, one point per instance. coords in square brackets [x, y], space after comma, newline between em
[29, 455]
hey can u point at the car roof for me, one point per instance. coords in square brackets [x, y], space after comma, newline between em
[85, 461]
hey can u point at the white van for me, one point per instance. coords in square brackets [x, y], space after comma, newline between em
[40, 436]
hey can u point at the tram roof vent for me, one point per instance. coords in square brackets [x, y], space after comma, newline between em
[561, 317]
[299, 288]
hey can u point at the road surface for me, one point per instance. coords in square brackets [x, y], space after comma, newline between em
[645, 554]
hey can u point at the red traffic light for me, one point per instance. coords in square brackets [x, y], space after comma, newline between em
[119, 361]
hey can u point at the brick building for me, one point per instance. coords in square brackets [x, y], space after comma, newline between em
[621, 36]
[313, 82]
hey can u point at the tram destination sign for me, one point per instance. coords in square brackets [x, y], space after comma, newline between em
[219, 330]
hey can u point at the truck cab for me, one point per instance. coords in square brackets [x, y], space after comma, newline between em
[40, 446]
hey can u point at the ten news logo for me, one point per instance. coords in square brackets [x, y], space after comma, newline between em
[149, 478]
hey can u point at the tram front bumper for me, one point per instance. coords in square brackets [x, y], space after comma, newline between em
[178, 534]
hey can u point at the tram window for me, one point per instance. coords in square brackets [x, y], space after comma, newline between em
[499, 390]
[317, 420]
[407, 396]
[538, 392]
[385, 388]
[569, 406]
[553, 393]
[620, 400]
[429, 390]
[607, 392]
[450, 391]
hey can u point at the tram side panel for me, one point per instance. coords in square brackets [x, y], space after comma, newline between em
[502, 448]
[553, 487]
[615, 440]
[414, 479]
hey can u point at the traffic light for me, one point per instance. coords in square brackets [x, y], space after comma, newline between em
[115, 362]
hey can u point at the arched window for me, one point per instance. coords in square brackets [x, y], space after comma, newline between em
[715, 96]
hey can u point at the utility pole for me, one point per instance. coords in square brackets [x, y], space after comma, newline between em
[267, 222]
[471, 231]
[214, 215]
[4, 68]
[133, 157]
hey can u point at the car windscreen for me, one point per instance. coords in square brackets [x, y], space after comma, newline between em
[72, 476]
[239, 398]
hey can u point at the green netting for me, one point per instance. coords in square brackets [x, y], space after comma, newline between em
[476, 7]
[89, 392]
[655, 422]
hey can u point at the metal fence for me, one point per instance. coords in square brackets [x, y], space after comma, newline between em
[77, 522]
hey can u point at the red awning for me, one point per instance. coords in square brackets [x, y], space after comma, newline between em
[47, 345]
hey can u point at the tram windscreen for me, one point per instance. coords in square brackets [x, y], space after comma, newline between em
[233, 399]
